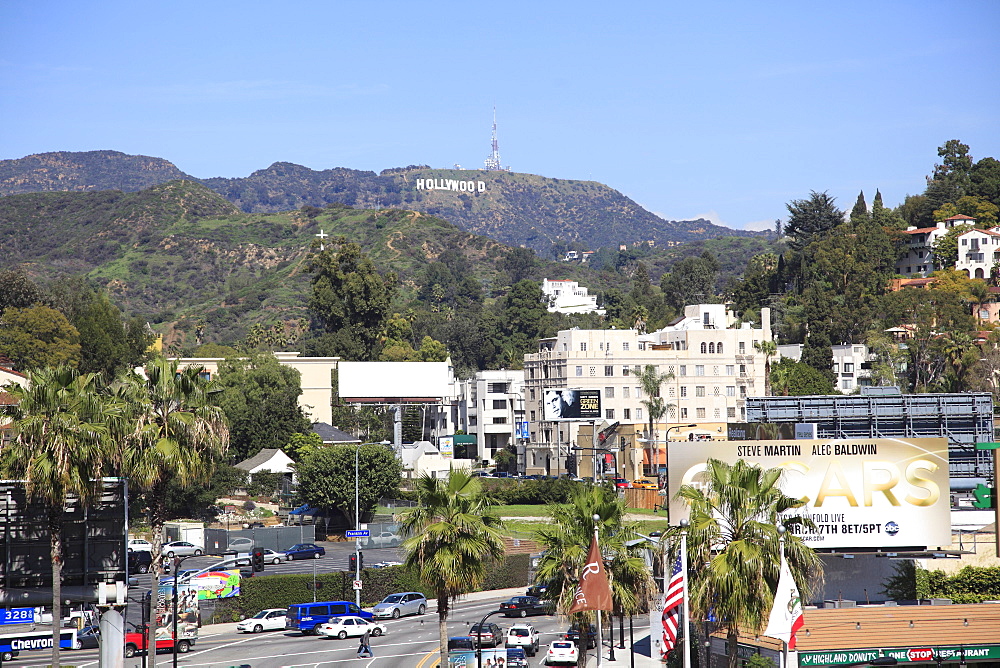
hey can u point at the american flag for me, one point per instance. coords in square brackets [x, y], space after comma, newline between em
[672, 605]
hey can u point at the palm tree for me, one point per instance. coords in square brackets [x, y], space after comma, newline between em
[768, 349]
[177, 435]
[454, 542]
[566, 540]
[734, 548]
[651, 379]
[58, 445]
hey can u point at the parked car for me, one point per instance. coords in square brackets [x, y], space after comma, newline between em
[487, 634]
[181, 548]
[561, 651]
[272, 557]
[537, 590]
[522, 606]
[383, 539]
[405, 603]
[621, 483]
[271, 619]
[343, 627]
[523, 636]
[644, 484]
[573, 634]
[140, 561]
[139, 545]
[387, 564]
[305, 551]
[240, 545]
[88, 637]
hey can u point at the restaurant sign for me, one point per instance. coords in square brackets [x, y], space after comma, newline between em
[902, 655]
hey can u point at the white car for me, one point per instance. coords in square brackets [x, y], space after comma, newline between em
[271, 619]
[181, 548]
[139, 545]
[561, 651]
[344, 627]
[523, 636]
[272, 557]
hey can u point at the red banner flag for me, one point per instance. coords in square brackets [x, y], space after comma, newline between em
[594, 591]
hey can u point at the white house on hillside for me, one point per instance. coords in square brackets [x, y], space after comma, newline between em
[569, 297]
[918, 256]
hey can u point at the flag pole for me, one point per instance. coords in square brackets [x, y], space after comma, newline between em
[600, 638]
[781, 552]
[688, 646]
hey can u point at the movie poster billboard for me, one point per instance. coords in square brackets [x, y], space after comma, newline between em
[446, 446]
[187, 612]
[567, 404]
[860, 493]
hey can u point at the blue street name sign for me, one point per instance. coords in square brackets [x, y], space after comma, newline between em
[358, 533]
[17, 616]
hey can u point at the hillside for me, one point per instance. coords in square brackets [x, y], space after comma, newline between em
[516, 209]
[182, 257]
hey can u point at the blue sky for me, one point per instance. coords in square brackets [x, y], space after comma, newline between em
[719, 109]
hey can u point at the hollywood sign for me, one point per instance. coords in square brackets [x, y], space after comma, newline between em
[452, 184]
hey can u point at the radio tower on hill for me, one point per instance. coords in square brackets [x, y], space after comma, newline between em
[493, 162]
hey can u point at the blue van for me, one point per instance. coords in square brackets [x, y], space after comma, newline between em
[308, 617]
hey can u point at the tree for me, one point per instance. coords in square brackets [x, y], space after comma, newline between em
[956, 165]
[178, 435]
[817, 352]
[984, 211]
[326, 477]
[565, 540]
[454, 540]
[797, 379]
[260, 398]
[19, 291]
[811, 218]
[690, 281]
[59, 430]
[38, 336]
[985, 180]
[350, 302]
[733, 543]
[768, 349]
[650, 379]
[299, 445]
[860, 211]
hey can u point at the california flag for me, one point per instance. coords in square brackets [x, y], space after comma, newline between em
[786, 615]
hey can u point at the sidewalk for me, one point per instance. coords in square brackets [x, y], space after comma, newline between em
[623, 657]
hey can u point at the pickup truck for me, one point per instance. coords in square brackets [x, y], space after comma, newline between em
[135, 642]
[523, 636]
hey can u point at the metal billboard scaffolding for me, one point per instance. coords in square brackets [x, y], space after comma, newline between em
[94, 550]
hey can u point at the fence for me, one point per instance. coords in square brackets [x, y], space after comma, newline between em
[278, 539]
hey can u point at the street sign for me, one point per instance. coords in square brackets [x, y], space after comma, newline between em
[357, 585]
[358, 533]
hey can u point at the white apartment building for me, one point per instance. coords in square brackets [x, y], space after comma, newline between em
[918, 254]
[978, 252]
[713, 360]
[851, 364]
[490, 408]
[569, 297]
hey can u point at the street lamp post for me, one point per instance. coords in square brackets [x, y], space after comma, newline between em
[479, 642]
[357, 525]
[177, 566]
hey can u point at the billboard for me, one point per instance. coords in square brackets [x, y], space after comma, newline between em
[860, 493]
[566, 404]
[446, 446]
[394, 382]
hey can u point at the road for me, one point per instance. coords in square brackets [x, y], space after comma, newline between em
[411, 642]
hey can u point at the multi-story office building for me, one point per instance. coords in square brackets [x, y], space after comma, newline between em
[711, 356]
[492, 407]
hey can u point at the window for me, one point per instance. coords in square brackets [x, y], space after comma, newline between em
[684, 413]
[601, 345]
[715, 370]
[684, 391]
[638, 414]
[743, 369]
[730, 369]
[609, 370]
[531, 372]
[684, 369]
[718, 347]
[609, 413]
[670, 391]
[836, 367]
[699, 413]
[699, 369]
[532, 416]
[730, 411]
[498, 388]
[638, 393]
[625, 345]
[743, 391]
[579, 371]
[717, 413]
[609, 393]
[704, 347]
[715, 391]
[848, 367]
[626, 370]
[500, 420]
[583, 346]
[847, 384]
[625, 391]
[593, 371]
[499, 404]
[531, 394]
[205, 375]
[711, 348]
[699, 390]
[730, 390]
[742, 347]
[627, 414]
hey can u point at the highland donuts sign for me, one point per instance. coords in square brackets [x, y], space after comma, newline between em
[859, 493]
[452, 184]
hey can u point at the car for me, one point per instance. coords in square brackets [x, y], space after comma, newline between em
[308, 617]
[620, 483]
[139, 561]
[382, 539]
[343, 627]
[271, 619]
[487, 634]
[561, 651]
[9, 656]
[181, 548]
[522, 606]
[240, 545]
[644, 484]
[182, 576]
[387, 564]
[135, 642]
[305, 551]
[272, 557]
[537, 590]
[523, 636]
[403, 603]
[88, 637]
[573, 634]
[139, 545]
[516, 658]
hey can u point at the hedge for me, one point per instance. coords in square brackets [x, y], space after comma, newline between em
[972, 584]
[280, 591]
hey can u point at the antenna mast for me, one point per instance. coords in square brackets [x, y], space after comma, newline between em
[493, 162]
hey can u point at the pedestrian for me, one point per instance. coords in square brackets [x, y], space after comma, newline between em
[365, 649]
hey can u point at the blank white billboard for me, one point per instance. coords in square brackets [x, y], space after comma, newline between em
[394, 380]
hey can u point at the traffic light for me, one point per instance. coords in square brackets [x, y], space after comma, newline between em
[361, 560]
[258, 561]
[357, 561]
[354, 562]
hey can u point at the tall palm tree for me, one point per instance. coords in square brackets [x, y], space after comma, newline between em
[734, 548]
[58, 445]
[768, 349]
[177, 437]
[566, 540]
[651, 380]
[454, 540]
